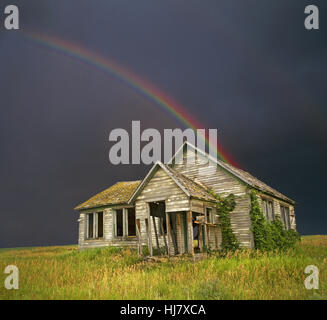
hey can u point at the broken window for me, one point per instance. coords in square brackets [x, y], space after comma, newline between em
[285, 215]
[268, 209]
[119, 223]
[209, 215]
[100, 224]
[95, 225]
[125, 223]
[131, 222]
[91, 225]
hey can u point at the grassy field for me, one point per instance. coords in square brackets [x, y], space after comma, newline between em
[110, 273]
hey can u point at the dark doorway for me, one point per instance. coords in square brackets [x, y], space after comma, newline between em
[158, 218]
[158, 209]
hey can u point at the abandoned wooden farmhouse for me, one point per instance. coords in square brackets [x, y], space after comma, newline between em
[172, 206]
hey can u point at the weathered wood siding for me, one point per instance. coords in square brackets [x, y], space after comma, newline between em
[162, 188]
[81, 229]
[223, 183]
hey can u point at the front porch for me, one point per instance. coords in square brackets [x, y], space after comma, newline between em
[178, 232]
[171, 210]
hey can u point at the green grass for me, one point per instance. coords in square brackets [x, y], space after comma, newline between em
[111, 273]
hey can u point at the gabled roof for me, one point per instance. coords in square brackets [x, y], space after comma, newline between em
[189, 187]
[244, 176]
[119, 193]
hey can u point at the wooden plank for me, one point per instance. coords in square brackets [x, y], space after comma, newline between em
[149, 235]
[168, 233]
[206, 228]
[163, 234]
[185, 232]
[200, 238]
[173, 234]
[155, 232]
[149, 231]
[190, 238]
[138, 233]
[125, 222]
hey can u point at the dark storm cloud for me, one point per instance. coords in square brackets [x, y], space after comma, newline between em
[248, 68]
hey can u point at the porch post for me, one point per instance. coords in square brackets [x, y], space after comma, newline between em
[155, 232]
[95, 225]
[168, 233]
[200, 241]
[138, 232]
[149, 230]
[163, 234]
[206, 228]
[190, 233]
[125, 222]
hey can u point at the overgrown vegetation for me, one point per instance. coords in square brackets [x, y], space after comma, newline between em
[269, 235]
[224, 207]
[112, 273]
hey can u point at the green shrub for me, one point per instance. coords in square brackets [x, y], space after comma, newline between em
[269, 235]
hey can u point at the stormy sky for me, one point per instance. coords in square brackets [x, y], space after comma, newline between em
[248, 68]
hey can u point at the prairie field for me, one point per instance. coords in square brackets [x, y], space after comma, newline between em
[62, 272]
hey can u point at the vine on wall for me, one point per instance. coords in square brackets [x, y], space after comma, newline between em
[224, 207]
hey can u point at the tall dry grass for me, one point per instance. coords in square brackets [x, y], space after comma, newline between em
[111, 273]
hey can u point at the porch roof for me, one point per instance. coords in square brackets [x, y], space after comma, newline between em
[190, 188]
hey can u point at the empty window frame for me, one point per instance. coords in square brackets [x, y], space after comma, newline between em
[131, 222]
[100, 225]
[209, 214]
[285, 216]
[268, 209]
[125, 223]
[119, 223]
[90, 221]
[95, 225]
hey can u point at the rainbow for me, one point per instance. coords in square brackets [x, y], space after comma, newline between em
[134, 81]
